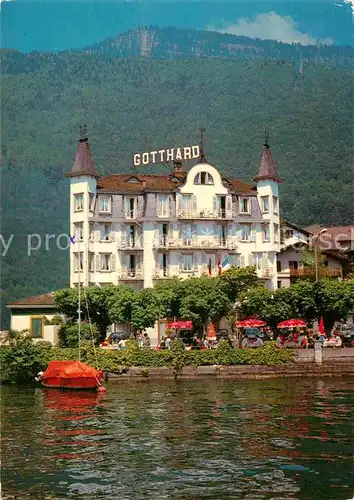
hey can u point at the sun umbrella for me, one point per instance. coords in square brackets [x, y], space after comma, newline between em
[292, 323]
[180, 324]
[250, 323]
[321, 328]
[211, 335]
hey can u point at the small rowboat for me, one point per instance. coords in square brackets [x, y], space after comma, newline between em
[71, 375]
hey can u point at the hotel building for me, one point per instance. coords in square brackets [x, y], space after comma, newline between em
[136, 229]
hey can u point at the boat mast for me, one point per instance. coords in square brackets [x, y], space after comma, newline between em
[79, 297]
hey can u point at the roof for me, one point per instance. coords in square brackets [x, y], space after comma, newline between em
[46, 300]
[267, 166]
[334, 238]
[140, 183]
[84, 163]
[294, 226]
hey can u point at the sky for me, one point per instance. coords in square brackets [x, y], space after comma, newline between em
[49, 25]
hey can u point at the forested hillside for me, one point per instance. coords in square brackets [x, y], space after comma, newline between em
[138, 104]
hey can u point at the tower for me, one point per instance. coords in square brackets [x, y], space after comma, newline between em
[268, 197]
[83, 182]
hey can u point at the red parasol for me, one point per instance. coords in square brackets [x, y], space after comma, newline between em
[321, 328]
[250, 323]
[188, 325]
[292, 323]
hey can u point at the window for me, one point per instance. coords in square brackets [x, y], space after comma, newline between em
[79, 231]
[293, 264]
[105, 232]
[105, 204]
[244, 205]
[278, 266]
[78, 261]
[105, 261]
[91, 202]
[233, 260]
[289, 233]
[91, 231]
[37, 326]
[130, 207]
[78, 202]
[132, 264]
[245, 232]
[265, 204]
[276, 233]
[265, 232]
[91, 257]
[204, 178]
[187, 233]
[257, 260]
[275, 204]
[221, 232]
[187, 262]
[186, 202]
[279, 284]
[162, 205]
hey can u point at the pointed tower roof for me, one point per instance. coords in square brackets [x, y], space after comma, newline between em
[84, 163]
[267, 166]
[202, 157]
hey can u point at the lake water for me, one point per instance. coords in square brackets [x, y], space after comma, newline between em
[263, 439]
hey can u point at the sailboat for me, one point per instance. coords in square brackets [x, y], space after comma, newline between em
[72, 374]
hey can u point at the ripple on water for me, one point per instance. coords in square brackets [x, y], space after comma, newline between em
[215, 440]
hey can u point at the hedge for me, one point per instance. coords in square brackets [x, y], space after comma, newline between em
[19, 365]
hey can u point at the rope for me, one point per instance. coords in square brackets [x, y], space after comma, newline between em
[90, 324]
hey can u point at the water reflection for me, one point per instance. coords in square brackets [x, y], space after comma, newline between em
[172, 440]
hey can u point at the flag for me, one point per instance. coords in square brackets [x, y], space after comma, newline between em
[209, 267]
[219, 266]
[225, 263]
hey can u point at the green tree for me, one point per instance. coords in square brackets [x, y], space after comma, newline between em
[146, 309]
[237, 280]
[203, 299]
[170, 295]
[119, 304]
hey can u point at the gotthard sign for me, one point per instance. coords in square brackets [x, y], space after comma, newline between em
[164, 155]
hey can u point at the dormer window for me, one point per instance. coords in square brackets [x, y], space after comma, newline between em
[245, 206]
[105, 204]
[204, 178]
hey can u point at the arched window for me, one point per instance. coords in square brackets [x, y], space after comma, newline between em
[203, 178]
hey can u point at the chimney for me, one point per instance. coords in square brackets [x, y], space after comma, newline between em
[177, 167]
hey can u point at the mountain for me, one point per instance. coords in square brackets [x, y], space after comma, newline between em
[175, 43]
[141, 103]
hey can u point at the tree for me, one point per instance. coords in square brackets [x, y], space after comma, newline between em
[170, 295]
[119, 304]
[146, 309]
[203, 299]
[237, 280]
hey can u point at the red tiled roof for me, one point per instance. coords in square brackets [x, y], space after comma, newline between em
[46, 299]
[267, 167]
[137, 183]
[84, 163]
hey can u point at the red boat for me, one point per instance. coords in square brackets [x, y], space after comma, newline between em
[71, 375]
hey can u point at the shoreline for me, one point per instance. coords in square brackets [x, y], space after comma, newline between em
[222, 372]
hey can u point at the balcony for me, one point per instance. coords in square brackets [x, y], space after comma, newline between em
[193, 243]
[303, 272]
[265, 273]
[164, 273]
[206, 214]
[131, 273]
[130, 244]
[163, 213]
[133, 214]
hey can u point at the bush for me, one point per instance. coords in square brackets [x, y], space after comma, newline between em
[69, 334]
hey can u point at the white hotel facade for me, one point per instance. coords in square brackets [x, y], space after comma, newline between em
[137, 229]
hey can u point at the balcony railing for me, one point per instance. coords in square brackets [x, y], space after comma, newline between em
[303, 272]
[133, 214]
[164, 273]
[131, 273]
[130, 244]
[163, 213]
[265, 272]
[195, 243]
[205, 213]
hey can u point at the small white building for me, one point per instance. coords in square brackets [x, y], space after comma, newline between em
[136, 229]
